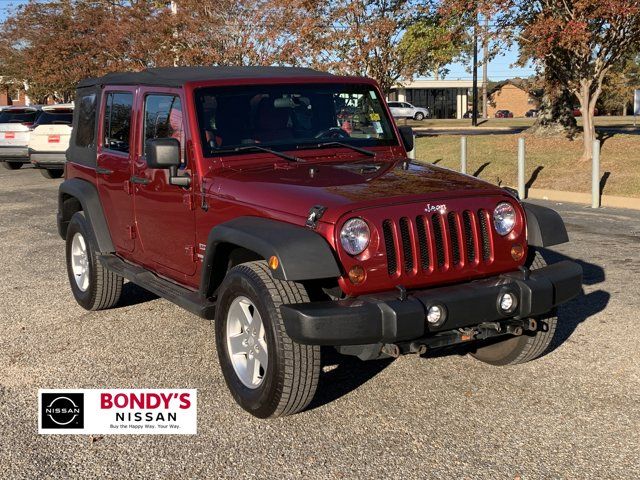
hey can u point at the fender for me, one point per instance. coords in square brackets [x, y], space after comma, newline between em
[545, 226]
[302, 253]
[87, 194]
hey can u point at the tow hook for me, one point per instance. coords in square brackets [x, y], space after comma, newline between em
[514, 330]
[391, 349]
[467, 334]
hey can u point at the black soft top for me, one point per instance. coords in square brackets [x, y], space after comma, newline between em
[178, 76]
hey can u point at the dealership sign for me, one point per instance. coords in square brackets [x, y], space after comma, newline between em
[118, 411]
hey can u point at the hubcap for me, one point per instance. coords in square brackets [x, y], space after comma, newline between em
[246, 342]
[80, 262]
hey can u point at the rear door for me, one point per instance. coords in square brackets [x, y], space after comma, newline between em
[394, 107]
[165, 214]
[16, 125]
[52, 131]
[406, 110]
[114, 165]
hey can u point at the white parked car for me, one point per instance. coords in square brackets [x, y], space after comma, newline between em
[50, 139]
[16, 124]
[406, 110]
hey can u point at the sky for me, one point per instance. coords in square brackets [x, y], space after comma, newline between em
[500, 68]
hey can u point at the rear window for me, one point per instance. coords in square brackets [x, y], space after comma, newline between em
[55, 118]
[117, 121]
[18, 116]
[85, 135]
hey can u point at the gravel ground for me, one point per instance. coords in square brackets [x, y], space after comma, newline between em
[574, 413]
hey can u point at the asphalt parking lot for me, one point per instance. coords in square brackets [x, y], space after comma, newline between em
[575, 413]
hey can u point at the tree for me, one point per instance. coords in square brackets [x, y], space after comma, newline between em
[617, 90]
[431, 43]
[365, 37]
[576, 43]
[52, 46]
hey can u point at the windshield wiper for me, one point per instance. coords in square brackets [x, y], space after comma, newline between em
[248, 148]
[345, 145]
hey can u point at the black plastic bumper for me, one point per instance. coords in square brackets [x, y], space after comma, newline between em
[385, 318]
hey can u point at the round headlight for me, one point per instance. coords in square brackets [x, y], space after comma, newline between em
[504, 218]
[355, 236]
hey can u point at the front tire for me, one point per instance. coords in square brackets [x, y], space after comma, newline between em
[529, 345]
[12, 165]
[93, 286]
[52, 173]
[419, 116]
[268, 374]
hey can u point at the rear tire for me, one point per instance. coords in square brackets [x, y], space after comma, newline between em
[529, 345]
[52, 173]
[93, 286]
[12, 165]
[289, 381]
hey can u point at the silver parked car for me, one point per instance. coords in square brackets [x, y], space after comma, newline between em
[406, 110]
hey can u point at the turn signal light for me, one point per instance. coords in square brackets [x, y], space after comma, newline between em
[356, 275]
[517, 252]
[273, 262]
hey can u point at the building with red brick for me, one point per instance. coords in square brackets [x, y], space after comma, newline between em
[11, 95]
[512, 95]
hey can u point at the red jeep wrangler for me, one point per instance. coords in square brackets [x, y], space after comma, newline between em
[280, 202]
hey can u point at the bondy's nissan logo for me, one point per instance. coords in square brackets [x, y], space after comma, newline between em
[62, 410]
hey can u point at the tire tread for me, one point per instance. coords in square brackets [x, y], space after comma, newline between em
[301, 363]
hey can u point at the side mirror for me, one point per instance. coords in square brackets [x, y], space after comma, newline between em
[165, 153]
[162, 153]
[406, 134]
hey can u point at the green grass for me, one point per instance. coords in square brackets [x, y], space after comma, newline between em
[511, 122]
[556, 161]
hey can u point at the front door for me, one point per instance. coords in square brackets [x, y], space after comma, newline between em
[165, 215]
[114, 166]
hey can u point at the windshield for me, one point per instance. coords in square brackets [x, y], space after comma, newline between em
[55, 118]
[287, 117]
[18, 116]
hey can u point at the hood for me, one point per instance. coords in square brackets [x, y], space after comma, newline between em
[344, 187]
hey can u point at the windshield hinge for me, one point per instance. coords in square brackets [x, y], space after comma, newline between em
[315, 214]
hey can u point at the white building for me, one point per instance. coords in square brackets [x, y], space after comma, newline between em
[443, 98]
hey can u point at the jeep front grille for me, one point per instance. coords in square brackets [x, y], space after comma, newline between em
[437, 242]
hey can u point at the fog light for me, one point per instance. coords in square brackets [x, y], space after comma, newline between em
[517, 252]
[435, 315]
[356, 274]
[507, 302]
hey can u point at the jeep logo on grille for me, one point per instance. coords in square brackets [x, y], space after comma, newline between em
[442, 208]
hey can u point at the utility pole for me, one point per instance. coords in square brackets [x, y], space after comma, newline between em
[474, 113]
[174, 12]
[485, 65]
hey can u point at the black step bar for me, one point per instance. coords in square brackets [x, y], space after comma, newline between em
[190, 300]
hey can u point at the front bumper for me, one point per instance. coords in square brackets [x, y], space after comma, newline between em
[14, 154]
[47, 159]
[386, 318]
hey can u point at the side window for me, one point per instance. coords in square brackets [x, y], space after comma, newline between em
[163, 118]
[117, 121]
[86, 121]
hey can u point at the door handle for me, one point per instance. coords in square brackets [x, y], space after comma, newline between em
[139, 180]
[103, 171]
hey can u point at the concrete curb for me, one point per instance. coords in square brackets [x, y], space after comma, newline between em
[576, 197]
